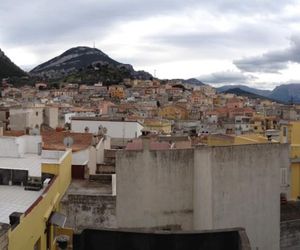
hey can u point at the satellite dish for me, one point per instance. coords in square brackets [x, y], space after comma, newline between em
[68, 141]
[35, 131]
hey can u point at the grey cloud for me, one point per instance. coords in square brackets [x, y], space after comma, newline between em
[273, 61]
[36, 21]
[223, 44]
[226, 77]
[47, 28]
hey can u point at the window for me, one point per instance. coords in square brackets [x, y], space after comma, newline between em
[36, 113]
[284, 131]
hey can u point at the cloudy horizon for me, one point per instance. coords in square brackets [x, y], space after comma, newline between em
[256, 43]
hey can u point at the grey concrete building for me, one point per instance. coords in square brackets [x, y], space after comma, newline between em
[204, 188]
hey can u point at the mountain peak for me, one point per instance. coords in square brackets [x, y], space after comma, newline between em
[84, 50]
[80, 60]
[8, 68]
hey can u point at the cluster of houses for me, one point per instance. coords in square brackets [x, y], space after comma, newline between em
[142, 154]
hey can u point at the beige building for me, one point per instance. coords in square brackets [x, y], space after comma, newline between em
[25, 118]
[34, 117]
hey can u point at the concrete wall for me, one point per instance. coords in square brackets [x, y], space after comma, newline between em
[155, 188]
[51, 116]
[17, 121]
[31, 143]
[4, 228]
[245, 187]
[204, 188]
[3, 115]
[290, 235]
[52, 154]
[18, 146]
[92, 160]
[115, 129]
[104, 143]
[89, 211]
[20, 119]
[80, 157]
[9, 147]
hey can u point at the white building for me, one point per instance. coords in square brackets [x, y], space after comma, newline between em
[115, 128]
[20, 159]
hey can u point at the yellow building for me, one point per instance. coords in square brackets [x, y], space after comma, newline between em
[173, 112]
[224, 139]
[35, 229]
[116, 91]
[32, 192]
[290, 133]
[160, 126]
[261, 123]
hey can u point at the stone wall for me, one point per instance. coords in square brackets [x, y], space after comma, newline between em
[89, 211]
[4, 236]
[290, 235]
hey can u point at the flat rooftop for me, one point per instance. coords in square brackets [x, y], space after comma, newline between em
[15, 199]
[30, 162]
[86, 187]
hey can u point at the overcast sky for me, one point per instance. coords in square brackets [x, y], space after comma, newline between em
[253, 42]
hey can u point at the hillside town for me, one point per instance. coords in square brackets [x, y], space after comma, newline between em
[162, 155]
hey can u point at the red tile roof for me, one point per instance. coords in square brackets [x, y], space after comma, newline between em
[15, 133]
[54, 140]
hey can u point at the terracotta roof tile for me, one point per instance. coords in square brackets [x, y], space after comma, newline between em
[15, 133]
[54, 140]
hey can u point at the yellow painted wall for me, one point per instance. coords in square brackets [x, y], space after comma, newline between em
[295, 177]
[32, 226]
[293, 137]
[173, 113]
[159, 126]
[222, 140]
